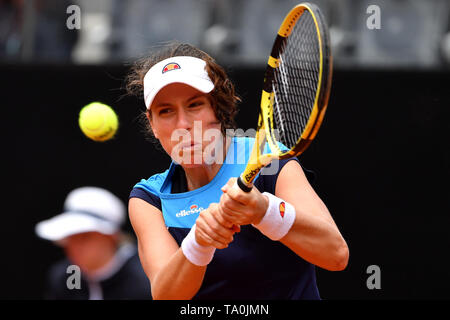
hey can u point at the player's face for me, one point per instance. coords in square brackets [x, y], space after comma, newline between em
[183, 120]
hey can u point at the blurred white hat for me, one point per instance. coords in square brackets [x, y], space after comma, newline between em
[86, 209]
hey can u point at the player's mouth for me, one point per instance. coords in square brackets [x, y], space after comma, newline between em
[191, 146]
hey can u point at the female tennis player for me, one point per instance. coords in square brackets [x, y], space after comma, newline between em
[199, 236]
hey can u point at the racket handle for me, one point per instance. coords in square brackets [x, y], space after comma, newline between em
[243, 186]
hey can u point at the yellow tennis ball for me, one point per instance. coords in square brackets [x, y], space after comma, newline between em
[98, 121]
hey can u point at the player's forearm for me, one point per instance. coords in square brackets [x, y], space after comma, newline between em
[318, 241]
[178, 280]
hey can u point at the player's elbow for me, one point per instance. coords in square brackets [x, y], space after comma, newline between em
[340, 257]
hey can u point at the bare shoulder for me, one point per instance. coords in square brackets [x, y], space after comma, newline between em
[141, 212]
[291, 176]
[147, 220]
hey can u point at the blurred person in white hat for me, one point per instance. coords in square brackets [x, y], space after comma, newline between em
[89, 231]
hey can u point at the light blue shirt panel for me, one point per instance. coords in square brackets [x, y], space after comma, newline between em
[180, 210]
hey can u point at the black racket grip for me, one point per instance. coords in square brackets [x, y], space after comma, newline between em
[243, 186]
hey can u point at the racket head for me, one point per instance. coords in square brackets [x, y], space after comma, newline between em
[296, 90]
[297, 81]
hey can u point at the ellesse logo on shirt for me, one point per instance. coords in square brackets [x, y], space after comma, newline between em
[192, 209]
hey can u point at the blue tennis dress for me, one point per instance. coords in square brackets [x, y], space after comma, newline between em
[253, 266]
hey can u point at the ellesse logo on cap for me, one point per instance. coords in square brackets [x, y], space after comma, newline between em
[282, 209]
[171, 66]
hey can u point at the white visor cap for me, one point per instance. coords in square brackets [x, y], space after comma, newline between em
[180, 69]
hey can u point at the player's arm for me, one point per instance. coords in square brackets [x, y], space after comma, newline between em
[171, 275]
[314, 235]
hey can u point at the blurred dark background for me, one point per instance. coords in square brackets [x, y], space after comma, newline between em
[381, 158]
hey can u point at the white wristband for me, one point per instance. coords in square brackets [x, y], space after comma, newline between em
[278, 219]
[194, 252]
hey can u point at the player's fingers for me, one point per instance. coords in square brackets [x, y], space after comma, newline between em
[237, 194]
[203, 238]
[229, 184]
[216, 225]
[229, 216]
[230, 205]
[234, 211]
[209, 238]
[221, 218]
[214, 229]
[225, 220]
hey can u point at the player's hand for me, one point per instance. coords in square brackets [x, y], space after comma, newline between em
[212, 229]
[241, 208]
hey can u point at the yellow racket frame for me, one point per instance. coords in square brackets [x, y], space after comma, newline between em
[265, 122]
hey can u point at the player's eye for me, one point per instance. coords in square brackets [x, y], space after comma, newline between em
[164, 111]
[196, 103]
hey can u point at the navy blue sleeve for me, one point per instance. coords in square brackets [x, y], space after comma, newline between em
[146, 196]
[266, 181]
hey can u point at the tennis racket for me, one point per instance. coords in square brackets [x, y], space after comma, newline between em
[296, 90]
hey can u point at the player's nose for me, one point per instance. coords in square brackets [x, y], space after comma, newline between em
[183, 120]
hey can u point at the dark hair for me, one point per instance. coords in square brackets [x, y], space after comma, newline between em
[224, 99]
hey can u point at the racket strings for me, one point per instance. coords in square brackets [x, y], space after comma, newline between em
[296, 81]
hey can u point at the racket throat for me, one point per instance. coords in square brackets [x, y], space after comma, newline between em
[253, 168]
